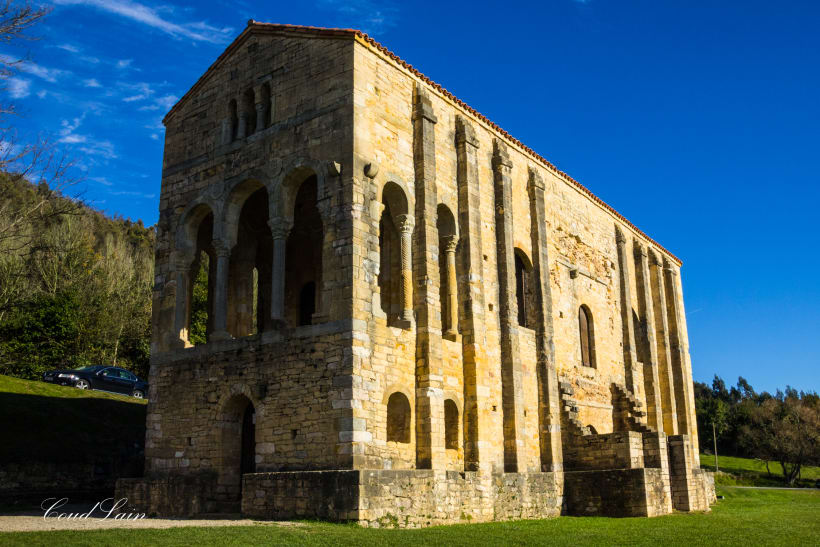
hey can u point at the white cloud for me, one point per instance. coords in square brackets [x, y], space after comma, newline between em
[137, 92]
[102, 180]
[19, 88]
[161, 103]
[42, 93]
[154, 136]
[91, 83]
[198, 31]
[104, 149]
[368, 15]
[67, 131]
[69, 48]
[47, 74]
[124, 63]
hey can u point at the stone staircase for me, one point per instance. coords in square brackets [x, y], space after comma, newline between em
[629, 410]
[569, 412]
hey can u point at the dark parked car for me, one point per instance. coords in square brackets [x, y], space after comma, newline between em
[100, 377]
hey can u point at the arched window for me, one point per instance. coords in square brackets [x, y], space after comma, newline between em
[586, 331]
[524, 289]
[398, 418]
[391, 283]
[234, 115]
[266, 99]
[251, 261]
[249, 110]
[307, 303]
[448, 290]
[303, 260]
[450, 425]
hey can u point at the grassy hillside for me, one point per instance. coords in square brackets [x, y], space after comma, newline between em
[48, 423]
[745, 517]
[749, 472]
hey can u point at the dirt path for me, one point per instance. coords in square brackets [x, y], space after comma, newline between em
[33, 521]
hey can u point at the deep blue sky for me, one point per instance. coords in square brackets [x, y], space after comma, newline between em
[697, 120]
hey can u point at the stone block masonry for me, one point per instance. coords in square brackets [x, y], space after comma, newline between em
[410, 317]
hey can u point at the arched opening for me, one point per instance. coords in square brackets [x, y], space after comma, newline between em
[448, 290]
[398, 418]
[234, 119]
[249, 275]
[249, 111]
[390, 279]
[267, 110]
[201, 276]
[303, 260]
[524, 289]
[248, 456]
[586, 333]
[450, 425]
[307, 303]
[237, 425]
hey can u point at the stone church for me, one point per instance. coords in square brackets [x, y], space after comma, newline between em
[412, 318]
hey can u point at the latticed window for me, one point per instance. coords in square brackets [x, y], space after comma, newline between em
[587, 340]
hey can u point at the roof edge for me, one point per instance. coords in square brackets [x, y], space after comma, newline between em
[254, 26]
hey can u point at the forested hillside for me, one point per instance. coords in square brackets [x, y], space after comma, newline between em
[75, 284]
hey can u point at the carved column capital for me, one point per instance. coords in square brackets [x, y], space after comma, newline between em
[465, 134]
[639, 250]
[221, 248]
[423, 107]
[501, 157]
[620, 238]
[405, 223]
[280, 227]
[535, 182]
[449, 243]
[181, 262]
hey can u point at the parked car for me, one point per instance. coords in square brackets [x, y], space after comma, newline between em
[100, 377]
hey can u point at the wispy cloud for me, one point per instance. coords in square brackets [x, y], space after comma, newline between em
[19, 88]
[367, 15]
[91, 83]
[140, 13]
[136, 92]
[124, 63]
[69, 48]
[23, 65]
[132, 193]
[102, 180]
[161, 103]
[88, 145]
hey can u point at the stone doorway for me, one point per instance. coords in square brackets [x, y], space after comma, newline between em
[238, 446]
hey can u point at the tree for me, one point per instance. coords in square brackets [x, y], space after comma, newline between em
[785, 429]
[716, 413]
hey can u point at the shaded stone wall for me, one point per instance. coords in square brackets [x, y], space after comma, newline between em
[403, 498]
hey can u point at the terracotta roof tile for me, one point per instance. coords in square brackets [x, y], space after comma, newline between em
[340, 32]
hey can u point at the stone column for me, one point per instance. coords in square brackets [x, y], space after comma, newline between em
[482, 426]
[182, 268]
[450, 244]
[651, 376]
[684, 410]
[279, 228]
[226, 130]
[666, 378]
[683, 337]
[260, 103]
[243, 129]
[512, 395]
[405, 224]
[549, 403]
[223, 256]
[430, 451]
[630, 360]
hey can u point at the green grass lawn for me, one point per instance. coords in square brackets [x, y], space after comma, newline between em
[744, 517]
[749, 472]
[50, 423]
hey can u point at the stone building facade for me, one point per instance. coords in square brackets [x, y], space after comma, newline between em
[412, 318]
